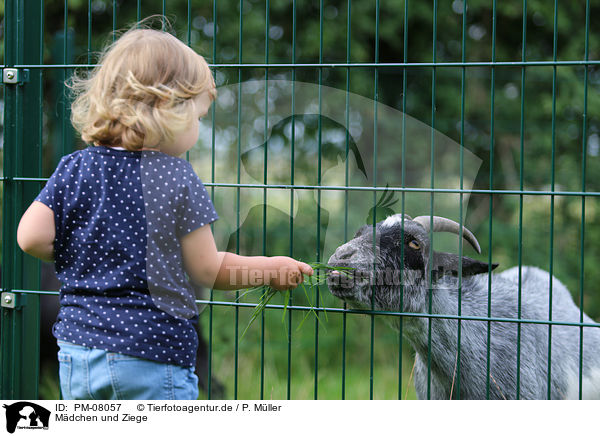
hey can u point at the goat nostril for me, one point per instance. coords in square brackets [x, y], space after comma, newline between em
[346, 254]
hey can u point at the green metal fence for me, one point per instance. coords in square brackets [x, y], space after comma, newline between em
[515, 86]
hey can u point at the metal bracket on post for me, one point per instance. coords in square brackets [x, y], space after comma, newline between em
[15, 76]
[10, 300]
[23, 96]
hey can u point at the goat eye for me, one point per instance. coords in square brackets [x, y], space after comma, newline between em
[414, 245]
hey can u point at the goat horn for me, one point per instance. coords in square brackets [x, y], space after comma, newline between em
[441, 224]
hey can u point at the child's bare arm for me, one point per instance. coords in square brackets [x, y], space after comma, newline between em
[36, 231]
[227, 271]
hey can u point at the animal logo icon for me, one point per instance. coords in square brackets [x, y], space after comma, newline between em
[24, 414]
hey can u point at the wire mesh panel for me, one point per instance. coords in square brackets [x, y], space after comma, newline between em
[332, 115]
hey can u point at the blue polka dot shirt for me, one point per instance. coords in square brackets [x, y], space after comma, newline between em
[119, 218]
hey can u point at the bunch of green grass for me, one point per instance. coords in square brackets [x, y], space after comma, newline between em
[321, 272]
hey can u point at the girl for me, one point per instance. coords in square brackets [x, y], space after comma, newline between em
[126, 223]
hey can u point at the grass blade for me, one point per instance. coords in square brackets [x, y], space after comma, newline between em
[322, 271]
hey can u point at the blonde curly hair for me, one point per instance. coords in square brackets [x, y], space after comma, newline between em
[142, 92]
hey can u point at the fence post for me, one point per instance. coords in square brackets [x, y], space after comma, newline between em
[19, 332]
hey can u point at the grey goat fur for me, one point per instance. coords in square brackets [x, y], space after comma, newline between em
[406, 289]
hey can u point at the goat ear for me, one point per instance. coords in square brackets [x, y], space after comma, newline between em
[448, 264]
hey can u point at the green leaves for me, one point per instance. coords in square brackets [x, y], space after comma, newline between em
[383, 208]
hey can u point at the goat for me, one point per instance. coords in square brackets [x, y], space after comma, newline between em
[407, 276]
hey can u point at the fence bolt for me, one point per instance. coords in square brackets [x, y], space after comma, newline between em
[8, 300]
[15, 76]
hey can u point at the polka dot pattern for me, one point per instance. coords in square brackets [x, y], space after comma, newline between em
[119, 216]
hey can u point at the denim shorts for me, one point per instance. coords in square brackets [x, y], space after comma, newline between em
[92, 374]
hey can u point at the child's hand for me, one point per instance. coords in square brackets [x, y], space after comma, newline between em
[286, 273]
